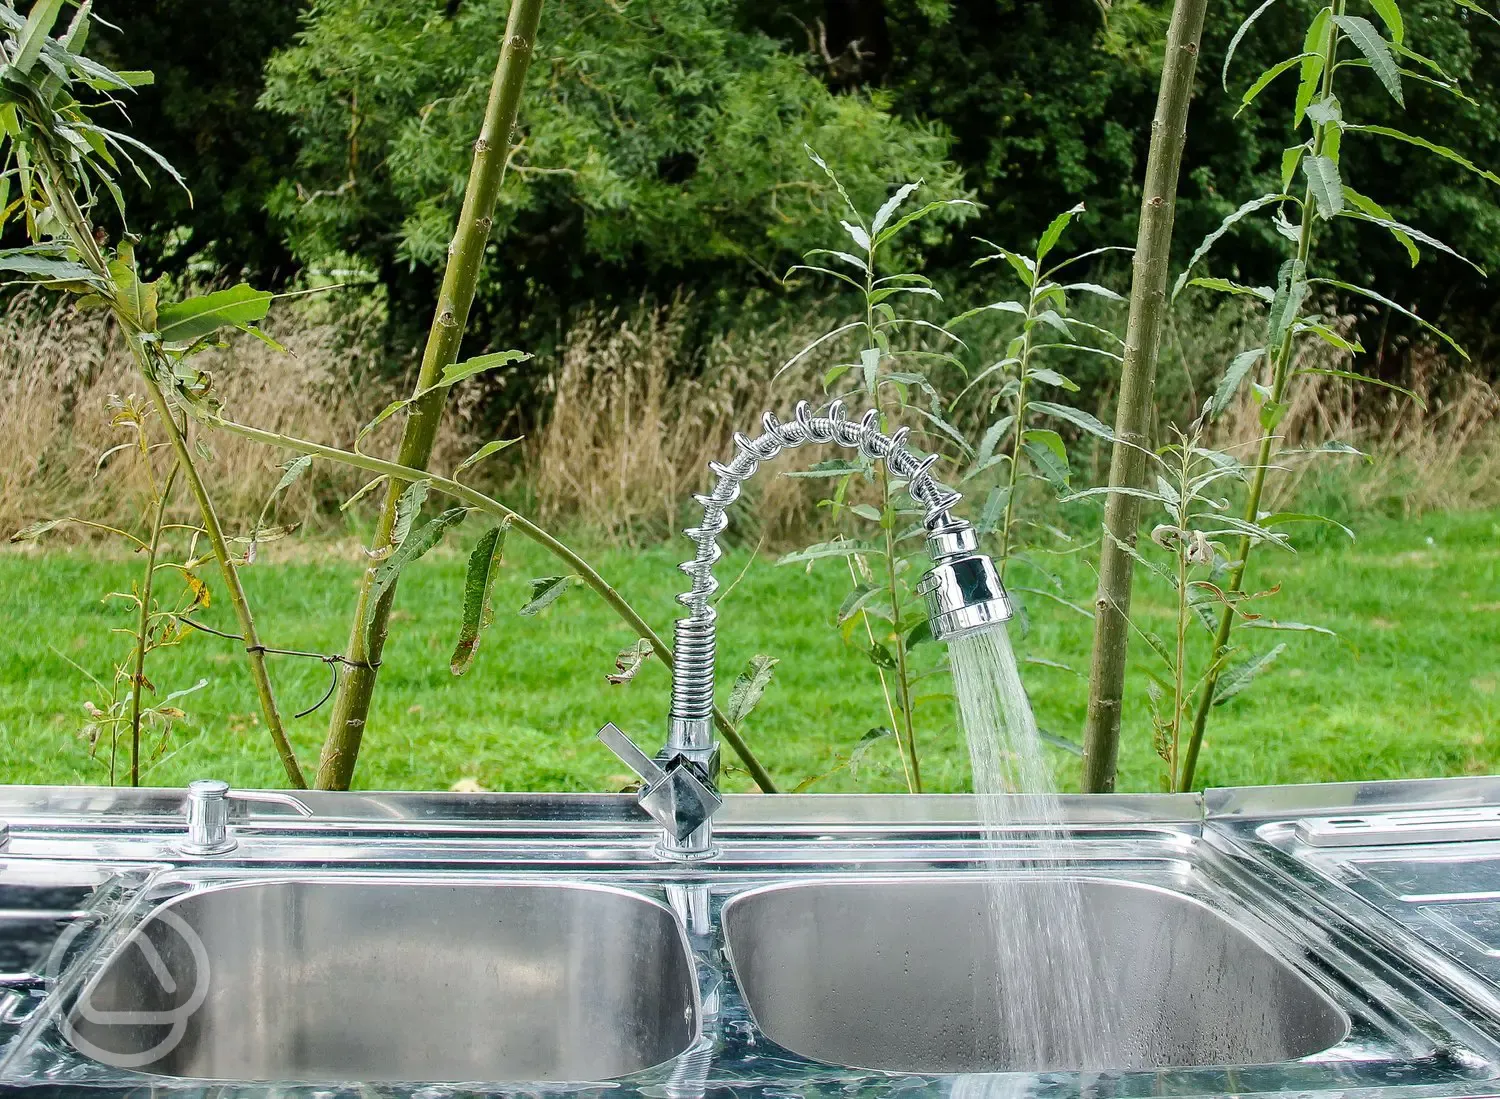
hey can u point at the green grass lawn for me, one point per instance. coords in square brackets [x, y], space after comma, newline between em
[1408, 689]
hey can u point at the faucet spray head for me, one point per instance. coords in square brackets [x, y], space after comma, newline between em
[963, 590]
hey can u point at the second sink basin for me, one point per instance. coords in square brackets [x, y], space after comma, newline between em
[902, 976]
[326, 981]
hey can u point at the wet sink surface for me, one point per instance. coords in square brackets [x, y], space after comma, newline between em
[901, 976]
[323, 981]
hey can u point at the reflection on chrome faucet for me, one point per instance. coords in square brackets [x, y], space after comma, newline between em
[963, 593]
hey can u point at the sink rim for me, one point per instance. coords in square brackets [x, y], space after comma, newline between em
[1313, 985]
[126, 927]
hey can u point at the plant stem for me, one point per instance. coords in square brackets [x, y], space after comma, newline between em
[1148, 293]
[55, 182]
[143, 628]
[1280, 375]
[1019, 426]
[476, 499]
[367, 633]
[903, 679]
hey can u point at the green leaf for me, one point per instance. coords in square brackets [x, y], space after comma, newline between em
[994, 307]
[1225, 286]
[1224, 226]
[1370, 206]
[1390, 15]
[919, 214]
[33, 36]
[890, 206]
[1095, 289]
[1291, 291]
[184, 322]
[1055, 231]
[545, 590]
[1470, 5]
[1367, 40]
[412, 548]
[881, 657]
[1312, 64]
[1239, 36]
[294, 469]
[492, 447]
[919, 633]
[1294, 627]
[1052, 377]
[1422, 143]
[454, 373]
[1365, 292]
[25, 262]
[1324, 183]
[1237, 678]
[1239, 367]
[1022, 266]
[1318, 328]
[749, 686]
[1279, 518]
[1350, 375]
[1075, 416]
[1042, 448]
[820, 550]
[994, 509]
[136, 300]
[1402, 229]
[1289, 161]
[484, 566]
[629, 661]
[1264, 80]
[408, 507]
[381, 417]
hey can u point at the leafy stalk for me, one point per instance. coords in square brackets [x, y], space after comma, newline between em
[372, 614]
[1280, 373]
[1137, 382]
[59, 193]
[143, 626]
[519, 523]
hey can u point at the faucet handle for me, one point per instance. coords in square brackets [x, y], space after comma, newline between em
[675, 795]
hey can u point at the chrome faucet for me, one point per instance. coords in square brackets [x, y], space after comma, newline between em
[962, 589]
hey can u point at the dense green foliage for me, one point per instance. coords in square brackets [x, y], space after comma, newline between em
[657, 137]
[663, 139]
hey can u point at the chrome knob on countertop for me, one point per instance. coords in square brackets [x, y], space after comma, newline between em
[207, 811]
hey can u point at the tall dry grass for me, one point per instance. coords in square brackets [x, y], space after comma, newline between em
[60, 367]
[638, 412]
[1438, 452]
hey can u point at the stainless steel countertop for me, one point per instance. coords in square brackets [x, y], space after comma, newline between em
[1424, 1020]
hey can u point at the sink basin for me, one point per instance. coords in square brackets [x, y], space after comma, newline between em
[902, 977]
[327, 981]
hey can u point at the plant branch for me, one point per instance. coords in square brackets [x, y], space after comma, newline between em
[476, 499]
[143, 628]
[60, 195]
[1281, 374]
[465, 257]
[1148, 293]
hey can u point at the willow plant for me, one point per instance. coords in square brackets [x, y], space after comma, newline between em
[59, 162]
[1339, 43]
[424, 410]
[1143, 329]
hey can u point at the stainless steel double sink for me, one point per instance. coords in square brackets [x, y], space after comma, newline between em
[849, 947]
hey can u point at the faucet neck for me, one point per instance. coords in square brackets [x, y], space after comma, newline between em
[950, 541]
